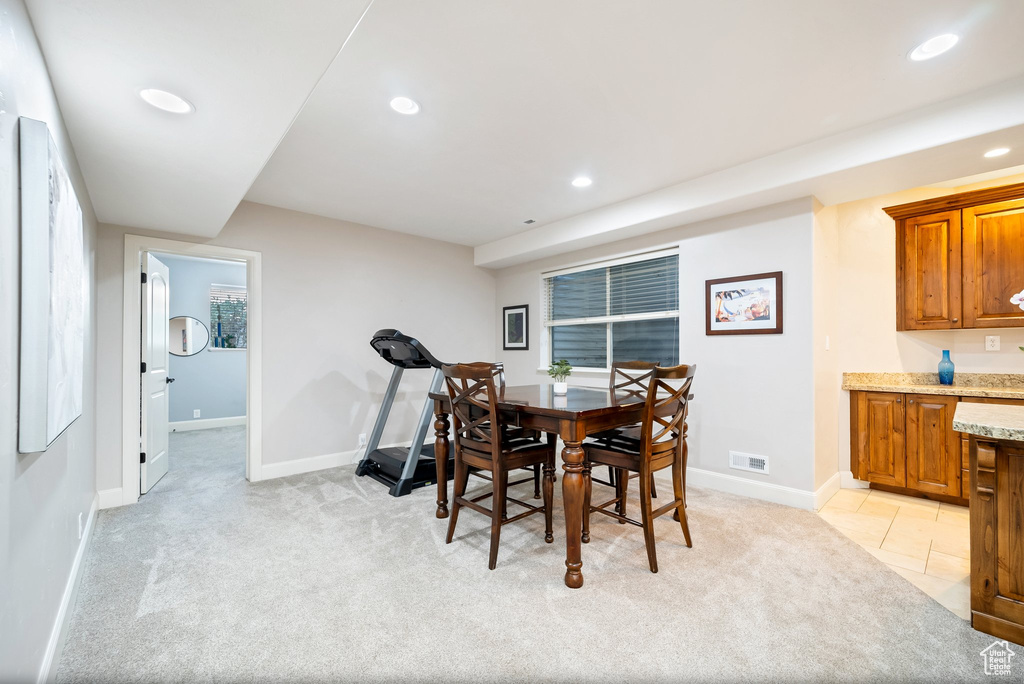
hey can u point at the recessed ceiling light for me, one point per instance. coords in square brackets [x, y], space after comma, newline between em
[169, 102]
[998, 152]
[581, 182]
[933, 47]
[404, 105]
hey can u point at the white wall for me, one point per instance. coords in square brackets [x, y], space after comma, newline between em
[753, 393]
[211, 381]
[327, 287]
[41, 495]
[827, 376]
[867, 340]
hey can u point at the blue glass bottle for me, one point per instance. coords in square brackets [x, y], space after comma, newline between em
[945, 369]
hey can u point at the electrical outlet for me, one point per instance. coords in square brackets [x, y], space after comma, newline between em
[992, 343]
[79, 527]
[195, 413]
[362, 439]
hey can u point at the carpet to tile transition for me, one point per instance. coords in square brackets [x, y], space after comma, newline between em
[324, 576]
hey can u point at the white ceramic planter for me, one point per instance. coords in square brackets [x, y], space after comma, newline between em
[561, 387]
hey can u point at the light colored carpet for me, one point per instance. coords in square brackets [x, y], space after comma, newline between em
[325, 577]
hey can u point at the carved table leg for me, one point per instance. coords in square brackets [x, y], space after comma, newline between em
[572, 500]
[441, 460]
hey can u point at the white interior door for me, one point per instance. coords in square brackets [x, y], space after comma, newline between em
[156, 300]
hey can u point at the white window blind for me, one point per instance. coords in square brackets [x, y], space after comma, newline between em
[228, 319]
[626, 310]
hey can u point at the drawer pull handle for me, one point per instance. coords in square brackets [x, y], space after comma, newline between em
[956, 320]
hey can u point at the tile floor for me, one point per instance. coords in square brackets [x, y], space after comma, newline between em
[925, 541]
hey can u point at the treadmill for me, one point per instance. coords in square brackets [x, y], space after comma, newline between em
[403, 469]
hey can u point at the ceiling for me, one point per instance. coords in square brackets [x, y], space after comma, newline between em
[666, 104]
[246, 65]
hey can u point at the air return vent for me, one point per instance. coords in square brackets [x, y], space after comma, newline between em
[751, 462]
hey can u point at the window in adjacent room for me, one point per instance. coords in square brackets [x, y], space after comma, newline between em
[621, 310]
[228, 323]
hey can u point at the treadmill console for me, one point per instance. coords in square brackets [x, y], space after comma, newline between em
[401, 350]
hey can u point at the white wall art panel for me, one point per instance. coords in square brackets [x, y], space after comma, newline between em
[52, 293]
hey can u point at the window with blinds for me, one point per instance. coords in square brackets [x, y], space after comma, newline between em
[626, 310]
[228, 325]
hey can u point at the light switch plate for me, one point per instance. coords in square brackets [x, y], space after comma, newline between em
[992, 343]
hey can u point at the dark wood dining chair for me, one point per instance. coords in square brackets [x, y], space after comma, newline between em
[627, 381]
[483, 442]
[660, 444]
[512, 432]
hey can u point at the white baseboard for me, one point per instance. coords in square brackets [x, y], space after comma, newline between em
[827, 490]
[206, 423]
[59, 634]
[766, 491]
[850, 482]
[311, 463]
[109, 498]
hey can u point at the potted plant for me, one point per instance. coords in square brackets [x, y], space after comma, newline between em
[560, 370]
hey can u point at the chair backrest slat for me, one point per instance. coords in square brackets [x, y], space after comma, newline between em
[630, 378]
[665, 410]
[474, 390]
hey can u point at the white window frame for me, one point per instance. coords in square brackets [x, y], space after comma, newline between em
[546, 344]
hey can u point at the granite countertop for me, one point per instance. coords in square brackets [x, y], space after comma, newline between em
[995, 385]
[998, 421]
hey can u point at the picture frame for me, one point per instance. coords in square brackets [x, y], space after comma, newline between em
[53, 293]
[744, 305]
[516, 327]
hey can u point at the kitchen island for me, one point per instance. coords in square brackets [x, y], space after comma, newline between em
[997, 516]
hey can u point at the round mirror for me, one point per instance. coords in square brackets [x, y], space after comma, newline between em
[189, 336]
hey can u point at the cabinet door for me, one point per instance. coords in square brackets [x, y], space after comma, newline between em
[933, 447]
[993, 264]
[997, 538]
[929, 280]
[877, 438]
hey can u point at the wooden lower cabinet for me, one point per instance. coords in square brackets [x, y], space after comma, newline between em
[906, 441]
[877, 438]
[997, 538]
[933, 446]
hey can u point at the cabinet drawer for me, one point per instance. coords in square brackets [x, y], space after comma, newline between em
[993, 400]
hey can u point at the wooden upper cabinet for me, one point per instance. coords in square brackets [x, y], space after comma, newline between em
[959, 259]
[933, 446]
[931, 272]
[993, 264]
[877, 436]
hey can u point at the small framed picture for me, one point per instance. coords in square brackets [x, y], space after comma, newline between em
[744, 305]
[516, 321]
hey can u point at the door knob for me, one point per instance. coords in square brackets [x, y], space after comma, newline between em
[170, 380]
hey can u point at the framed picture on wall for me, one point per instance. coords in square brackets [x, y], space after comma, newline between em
[53, 290]
[744, 305]
[515, 322]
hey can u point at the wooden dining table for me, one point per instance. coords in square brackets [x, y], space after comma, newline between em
[582, 411]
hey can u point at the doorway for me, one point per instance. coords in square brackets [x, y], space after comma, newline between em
[194, 345]
[170, 334]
